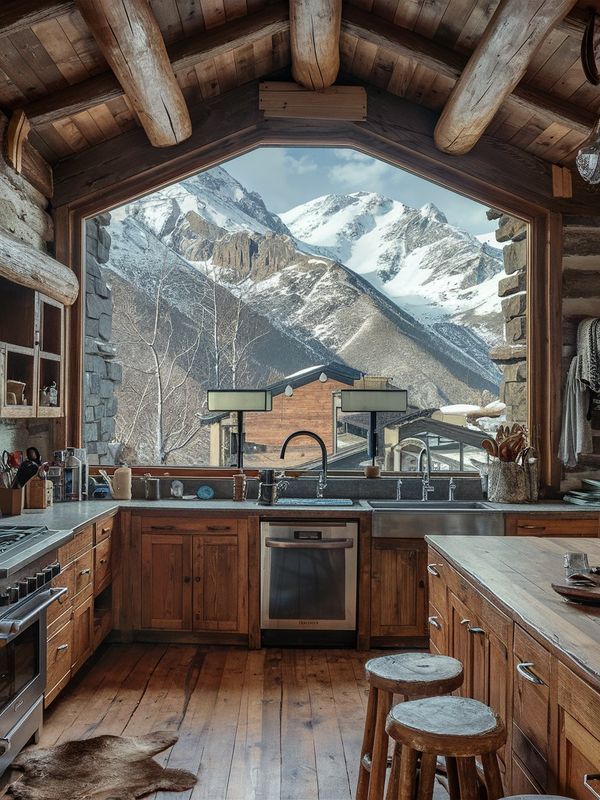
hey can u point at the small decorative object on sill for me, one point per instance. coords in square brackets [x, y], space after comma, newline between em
[121, 483]
[177, 489]
[372, 471]
[240, 485]
[513, 466]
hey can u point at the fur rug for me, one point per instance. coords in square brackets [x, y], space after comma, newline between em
[103, 768]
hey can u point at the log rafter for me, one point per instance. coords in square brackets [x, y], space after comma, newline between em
[498, 63]
[130, 39]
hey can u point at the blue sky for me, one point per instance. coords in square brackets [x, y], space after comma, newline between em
[287, 177]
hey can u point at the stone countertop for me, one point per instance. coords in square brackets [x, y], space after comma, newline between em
[516, 573]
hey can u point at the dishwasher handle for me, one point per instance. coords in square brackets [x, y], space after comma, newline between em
[310, 544]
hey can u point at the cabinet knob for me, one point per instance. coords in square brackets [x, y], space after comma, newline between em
[476, 630]
[187, 579]
[431, 569]
[85, 571]
[433, 621]
[62, 647]
[197, 579]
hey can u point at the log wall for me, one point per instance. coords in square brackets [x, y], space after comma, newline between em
[24, 214]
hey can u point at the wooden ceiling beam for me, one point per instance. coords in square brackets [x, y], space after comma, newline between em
[498, 63]
[315, 42]
[447, 62]
[130, 39]
[195, 50]
[15, 15]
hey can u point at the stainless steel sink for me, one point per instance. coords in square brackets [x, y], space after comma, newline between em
[314, 501]
[427, 505]
[413, 519]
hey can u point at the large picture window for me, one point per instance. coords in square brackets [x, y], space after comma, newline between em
[305, 271]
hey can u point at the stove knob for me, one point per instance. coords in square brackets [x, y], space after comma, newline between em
[47, 574]
[4, 599]
[23, 590]
[40, 579]
[55, 569]
[31, 584]
[13, 594]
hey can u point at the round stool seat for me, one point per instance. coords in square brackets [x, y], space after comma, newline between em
[535, 797]
[449, 725]
[415, 674]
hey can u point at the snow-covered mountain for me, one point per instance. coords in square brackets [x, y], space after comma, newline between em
[414, 256]
[327, 283]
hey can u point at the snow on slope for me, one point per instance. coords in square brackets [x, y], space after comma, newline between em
[432, 269]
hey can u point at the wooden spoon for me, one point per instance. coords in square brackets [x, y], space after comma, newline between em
[490, 447]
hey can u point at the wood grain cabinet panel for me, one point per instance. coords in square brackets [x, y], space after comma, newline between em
[578, 747]
[83, 633]
[398, 588]
[59, 654]
[83, 569]
[102, 564]
[220, 599]
[167, 581]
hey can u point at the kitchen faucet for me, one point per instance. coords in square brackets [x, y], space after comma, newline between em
[451, 489]
[323, 474]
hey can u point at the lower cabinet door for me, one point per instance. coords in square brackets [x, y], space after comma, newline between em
[398, 588]
[83, 633]
[221, 582]
[579, 760]
[167, 581]
[59, 657]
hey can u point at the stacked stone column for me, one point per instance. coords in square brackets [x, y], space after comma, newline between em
[511, 355]
[102, 372]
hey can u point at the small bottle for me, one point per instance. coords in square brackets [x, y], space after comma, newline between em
[72, 476]
[240, 486]
[122, 483]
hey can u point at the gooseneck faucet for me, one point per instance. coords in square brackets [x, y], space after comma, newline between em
[323, 474]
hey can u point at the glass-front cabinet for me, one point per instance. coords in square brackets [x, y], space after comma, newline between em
[32, 337]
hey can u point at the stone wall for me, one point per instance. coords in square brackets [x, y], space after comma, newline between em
[24, 214]
[102, 372]
[511, 355]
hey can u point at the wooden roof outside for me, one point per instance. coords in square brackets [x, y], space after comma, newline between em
[57, 51]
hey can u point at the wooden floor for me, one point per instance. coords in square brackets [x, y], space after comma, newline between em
[264, 725]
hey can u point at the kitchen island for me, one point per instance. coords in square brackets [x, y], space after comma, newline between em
[527, 652]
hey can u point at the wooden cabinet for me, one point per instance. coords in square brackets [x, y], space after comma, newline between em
[83, 633]
[578, 747]
[32, 335]
[195, 581]
[59, 650]
[220, 583]
[398, 588]
[556, 525]
[102, 565]
[167, 581]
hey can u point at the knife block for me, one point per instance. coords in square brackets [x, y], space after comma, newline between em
[35, 493]
[11, 502]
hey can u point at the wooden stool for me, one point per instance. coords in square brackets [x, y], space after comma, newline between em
[411, 675]
[457, 728]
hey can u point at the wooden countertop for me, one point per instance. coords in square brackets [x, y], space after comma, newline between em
[516, 573]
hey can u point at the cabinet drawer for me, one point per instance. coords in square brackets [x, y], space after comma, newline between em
[102, 564]
[81, 542]
[59, 655]
[437, 630]
[554, 526]
[189, 524]
[436, 575]
[83, 571]
[65, 579]
[103, 529]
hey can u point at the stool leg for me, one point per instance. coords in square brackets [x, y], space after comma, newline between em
[467, 778]
[452, 775]
[426, 776]
[407, 783]
[491, 773]
[394, 779]
[367, 745]
[380, 747]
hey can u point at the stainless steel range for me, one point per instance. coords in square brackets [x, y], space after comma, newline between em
[26, 572]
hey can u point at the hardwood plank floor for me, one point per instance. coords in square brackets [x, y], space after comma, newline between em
[253, 725]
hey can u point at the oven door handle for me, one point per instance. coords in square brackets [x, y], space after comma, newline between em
[9, 628]
[310, 544]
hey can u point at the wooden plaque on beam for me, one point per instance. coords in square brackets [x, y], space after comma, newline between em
[290, 100]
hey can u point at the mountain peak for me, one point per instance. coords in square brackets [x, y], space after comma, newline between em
[432, 212]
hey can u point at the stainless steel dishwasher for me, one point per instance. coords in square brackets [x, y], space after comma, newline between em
[308, 582]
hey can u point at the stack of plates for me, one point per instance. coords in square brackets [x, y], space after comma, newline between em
[589, 497]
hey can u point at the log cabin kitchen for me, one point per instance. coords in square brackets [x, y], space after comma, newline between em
[299, 323]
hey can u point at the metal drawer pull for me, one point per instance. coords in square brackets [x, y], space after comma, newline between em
[433, 621]
[533, 527]
[524, 670]
[162, 527]
[85, 571]
[465, 622]
[591, 776]
[431, 569]
[218, 527]
[476, 630]
[102, 561]
[310, 544]
[62, 647]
